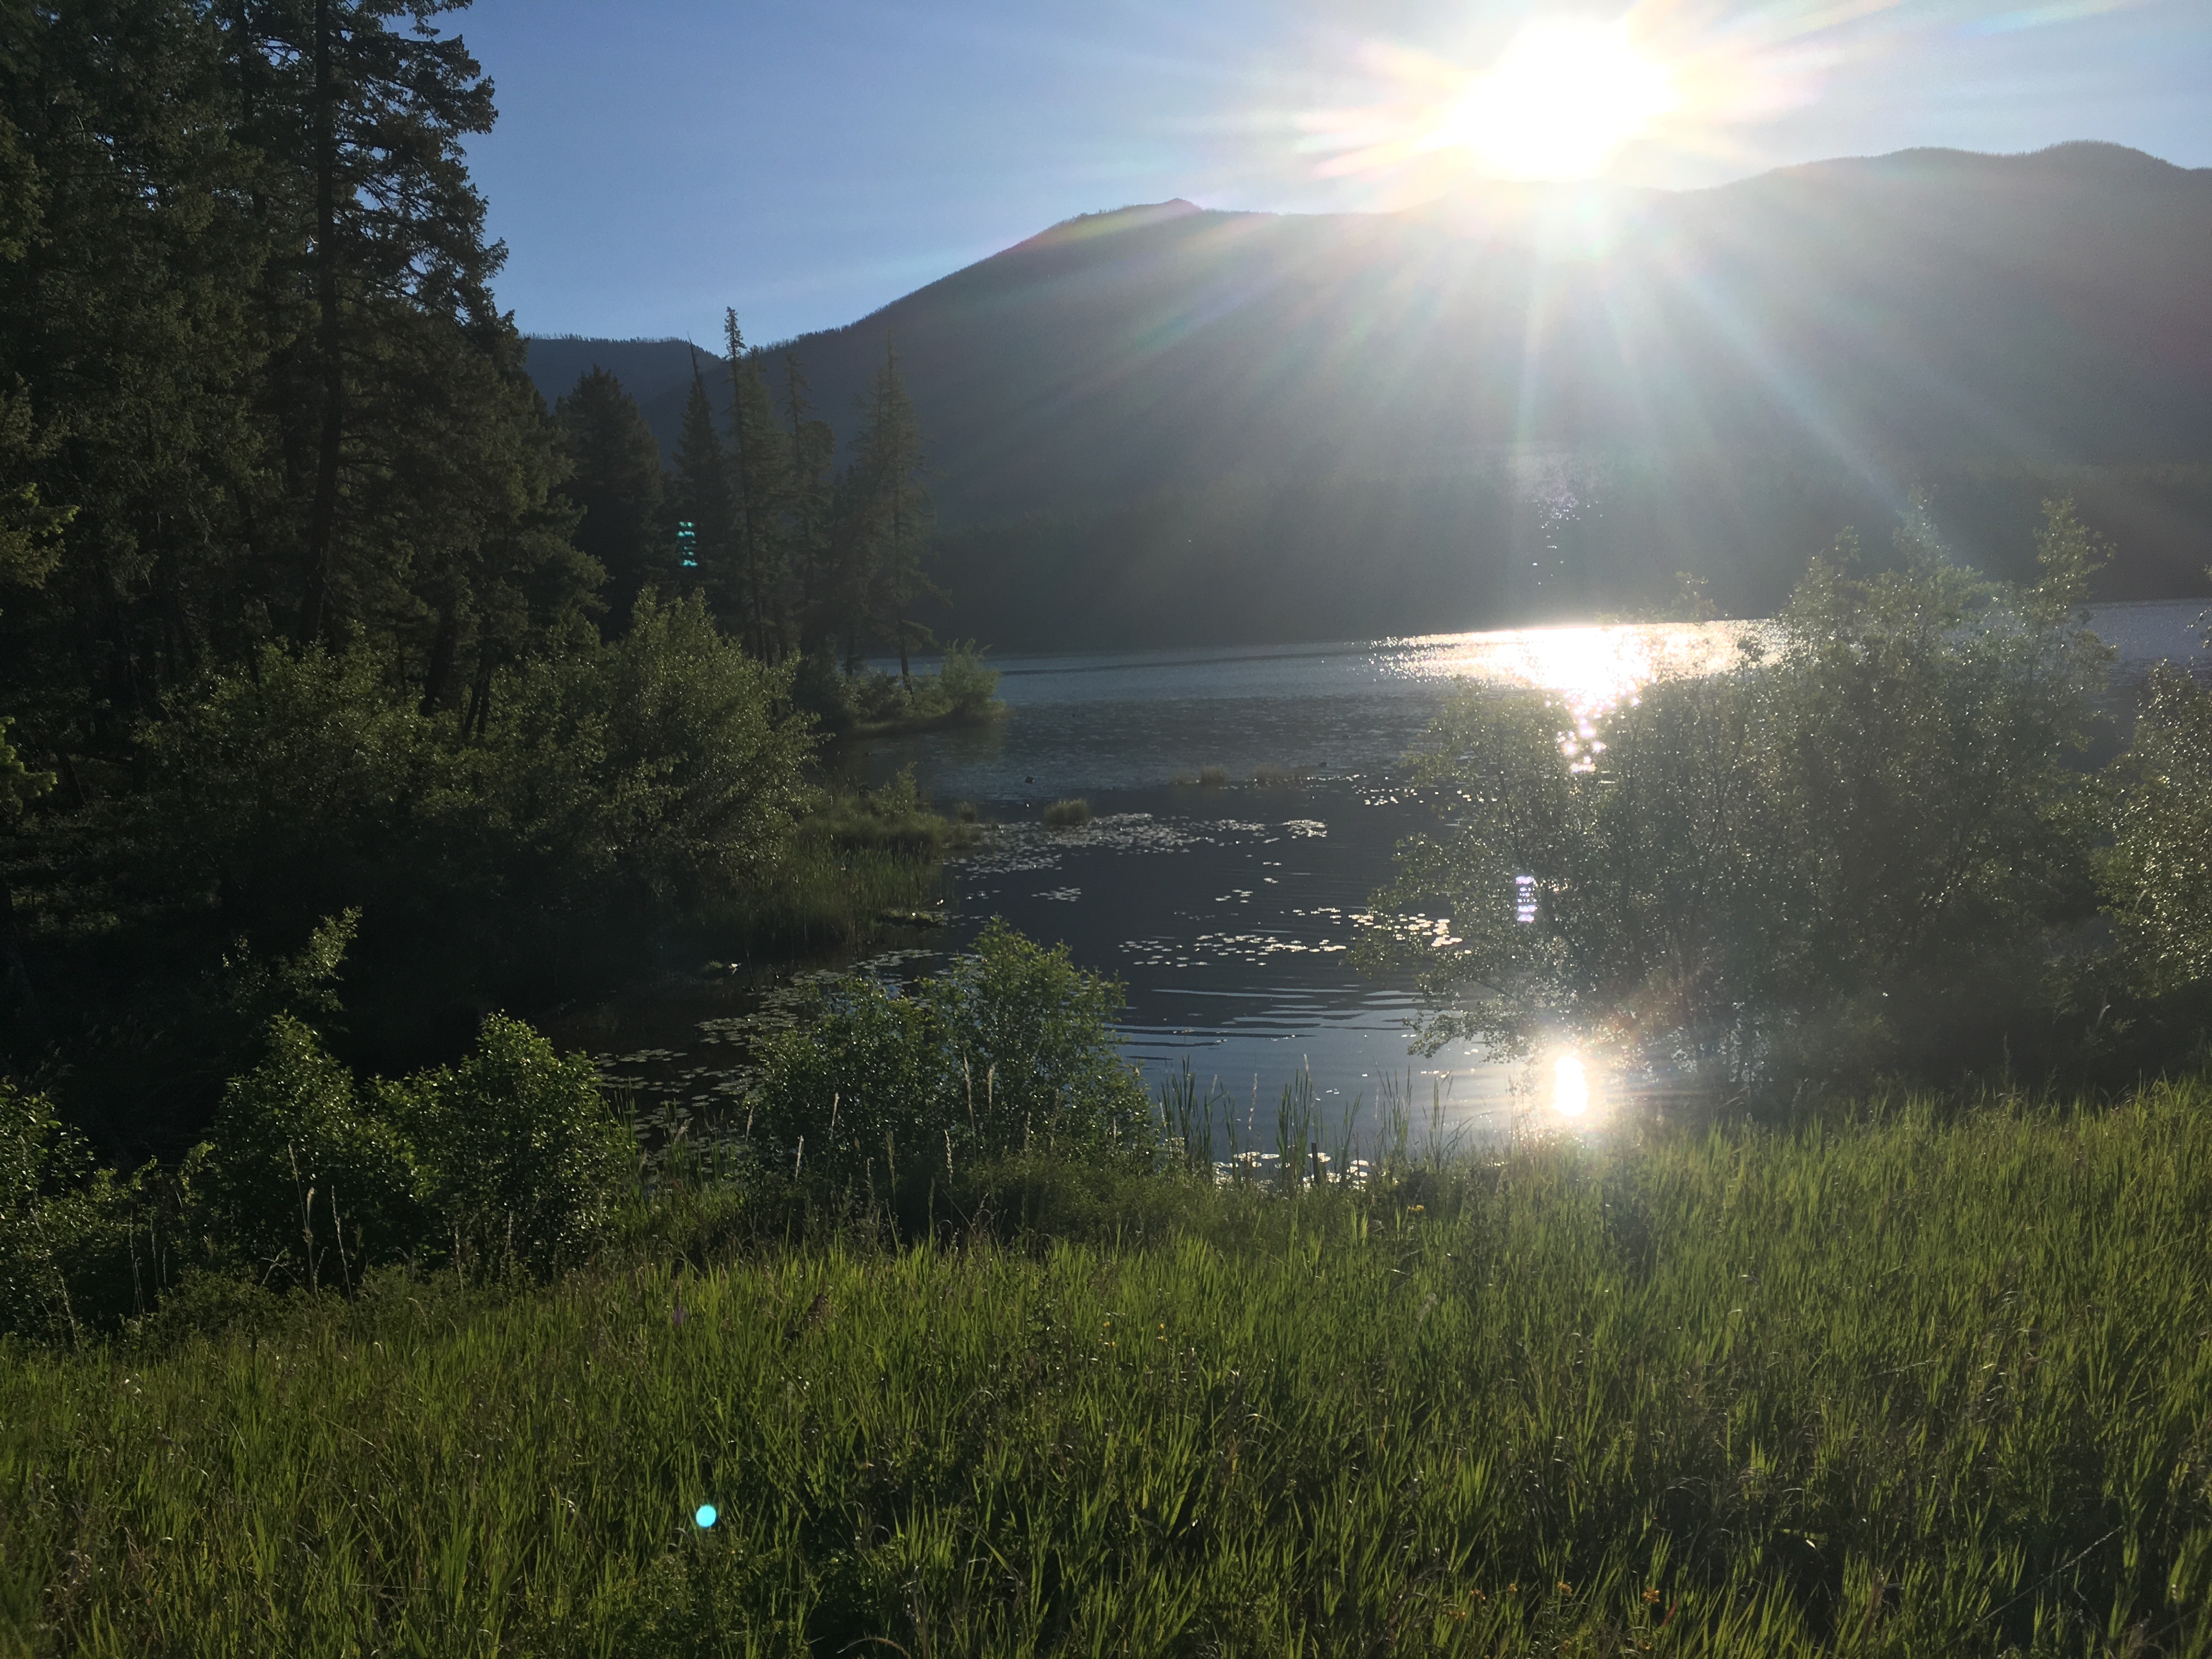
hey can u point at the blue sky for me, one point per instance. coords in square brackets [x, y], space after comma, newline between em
[809, 160]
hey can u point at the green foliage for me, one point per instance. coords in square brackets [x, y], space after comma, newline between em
[1852, 851]
[1067, 814]
[615, 481]
[701, 728]
[307, 1181]
[510, 1159]
[1895, 1386]
[32, 1142]
[521, 1160]
[962, 690]
[19, 784]
[853, 859]
[2157, 875]
[79, 1246]
[295, 788]
[662, 762]
[888, 511]
[1010, 1049]
[967, 686]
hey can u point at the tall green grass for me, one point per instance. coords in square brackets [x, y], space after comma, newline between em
[1907, 1385]
[858, 857]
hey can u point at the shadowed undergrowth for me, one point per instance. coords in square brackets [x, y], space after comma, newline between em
[1904, 1385]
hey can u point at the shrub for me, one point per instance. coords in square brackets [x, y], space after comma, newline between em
[666, 760]
[299, 789]
[1067, 814]
[30, 1298]
[306, 1178]
[963, 685]
[67, 1229]
[510, 1157]
[521, 1161]
[1853, 853]
[2157, 877]
[1011, 1049]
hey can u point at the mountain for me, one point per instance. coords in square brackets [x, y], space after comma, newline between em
[1168, 423]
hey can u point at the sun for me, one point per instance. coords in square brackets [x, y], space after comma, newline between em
[1560, 102]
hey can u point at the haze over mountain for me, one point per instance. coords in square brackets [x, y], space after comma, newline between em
[1166, 423]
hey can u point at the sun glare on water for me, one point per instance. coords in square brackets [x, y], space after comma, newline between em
[1560, 102]
[1570, 1087]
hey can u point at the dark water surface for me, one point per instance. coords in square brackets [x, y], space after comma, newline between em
[1229, 911]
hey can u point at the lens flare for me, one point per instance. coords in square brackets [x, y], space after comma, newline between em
[1570, 1087]
[1560, 102]
[705, 1515]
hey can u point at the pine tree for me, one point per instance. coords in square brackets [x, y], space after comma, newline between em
[380, 114]
[699, 500]
[130, 447]
[894, 508]
[813, 450]
[759, 488]
[615, 481]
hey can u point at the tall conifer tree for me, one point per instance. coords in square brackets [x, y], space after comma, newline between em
[813, 449]
[615, 481]
[759, 491]
[895, 507]
[699, 498]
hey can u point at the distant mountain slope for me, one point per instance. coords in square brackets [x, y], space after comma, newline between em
[1596, 386]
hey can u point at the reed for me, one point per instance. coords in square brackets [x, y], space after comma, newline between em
[1071, 814]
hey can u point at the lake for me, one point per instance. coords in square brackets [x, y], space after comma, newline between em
[1228, 909]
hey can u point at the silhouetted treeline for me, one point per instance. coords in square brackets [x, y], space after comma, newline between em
[1499, 544]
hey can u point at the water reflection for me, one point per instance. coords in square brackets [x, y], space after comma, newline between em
[1593, 669]
[1570, 1095]
[1230, 911]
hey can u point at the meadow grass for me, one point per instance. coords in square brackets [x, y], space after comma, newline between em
[1070, 814]
[1911, 1384]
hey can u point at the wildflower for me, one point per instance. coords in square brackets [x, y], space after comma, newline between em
[1565, 1589]
[1651, 1598]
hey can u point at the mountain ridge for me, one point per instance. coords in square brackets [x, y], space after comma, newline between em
[1765, 360]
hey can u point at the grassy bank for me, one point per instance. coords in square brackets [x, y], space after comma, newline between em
[1910, 1386]
[859, 858]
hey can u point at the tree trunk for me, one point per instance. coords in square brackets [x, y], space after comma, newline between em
[13, 974]
[322, 525]
[479, 714]
[442, 647]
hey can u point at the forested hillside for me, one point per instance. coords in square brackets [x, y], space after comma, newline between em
[331, 650]
[1166, 423]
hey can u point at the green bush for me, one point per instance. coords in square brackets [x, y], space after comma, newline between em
[963, 683]
[1071, 814]
[521, 1161]
[308, 1179]
[30, 1140]
[1856, 850]
[1010, 1049]
[68, 1264]
[962, 689]
[2157, 876]
[509, 1158]
[666, 765]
